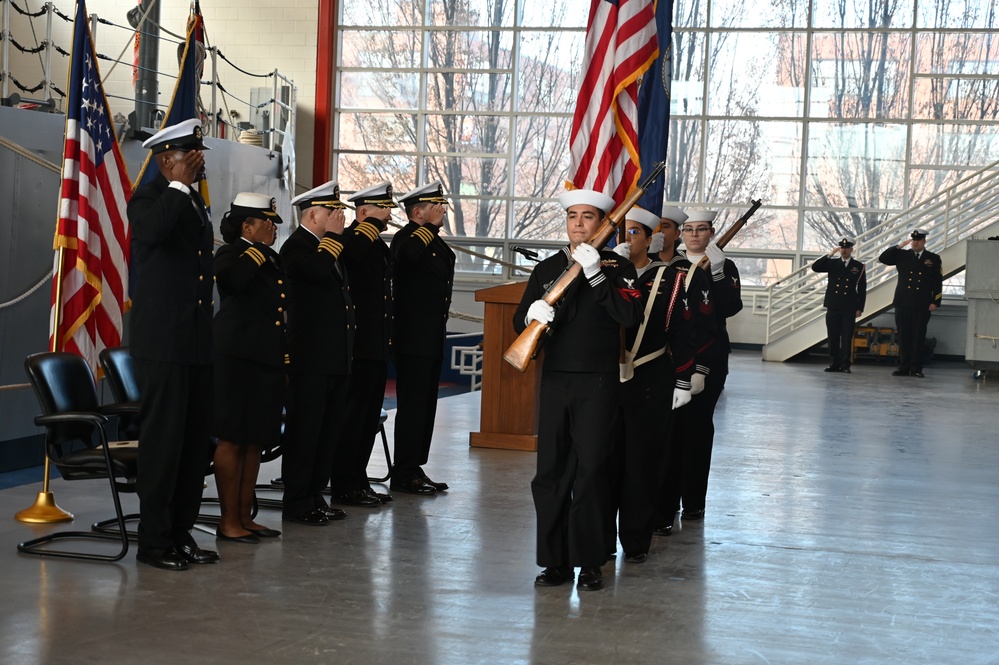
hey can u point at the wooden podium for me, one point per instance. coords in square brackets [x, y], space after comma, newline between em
[509, 410]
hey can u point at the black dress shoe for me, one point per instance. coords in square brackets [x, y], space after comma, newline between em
[383, 498]
[554, 576]
[693, 514]
[332, 514]
[846, 370]
[900, 372]
[357, 498]
[918, 375]
[832, 368]
[250, 538]
[265, 533]
[194, 554]
[413, 486]
[166, 558]
[591, 579]
[314, 517]
[636, 558]
[663, 530]
[440, 487]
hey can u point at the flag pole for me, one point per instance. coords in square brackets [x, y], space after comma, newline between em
[46, 510]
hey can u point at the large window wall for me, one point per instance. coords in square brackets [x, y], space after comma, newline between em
[836, 113]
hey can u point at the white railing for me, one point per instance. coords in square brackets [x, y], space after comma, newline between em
[949, 216]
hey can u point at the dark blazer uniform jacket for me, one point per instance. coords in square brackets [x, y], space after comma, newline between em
[422, 279]
[920, 281]
[320, 343]
[171, 339]
[250, 323]
[846, 289]
[367, 259]
[172, 243]
[321, 311]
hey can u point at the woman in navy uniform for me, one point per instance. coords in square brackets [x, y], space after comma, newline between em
[250, 350]
[170, 333]
[846, 296]
[580, 392]
[422, 278]
[714, 295]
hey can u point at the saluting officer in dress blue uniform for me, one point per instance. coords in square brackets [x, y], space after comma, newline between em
[366, 256]
[422, 279]
[918, 293]
[320, 340]
[171, 341]
[846, 295]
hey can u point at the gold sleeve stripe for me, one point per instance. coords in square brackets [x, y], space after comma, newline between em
[256, 255]
[287, 359]
[425, 235]
[369, 230]
[334, 247]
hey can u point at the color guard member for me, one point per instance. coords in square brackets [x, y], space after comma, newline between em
[580, 392]
[659, 360]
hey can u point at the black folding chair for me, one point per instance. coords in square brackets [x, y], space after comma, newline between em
[77, 444]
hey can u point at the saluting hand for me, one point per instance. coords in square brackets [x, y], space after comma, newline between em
[182, 167]
[334, 223]
[904, 243]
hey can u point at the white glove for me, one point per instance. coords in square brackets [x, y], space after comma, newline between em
[658, 241]
[680, 397]
[541, 312]
[716, 256]
[588, 257]
[696, 383]
[623, 250]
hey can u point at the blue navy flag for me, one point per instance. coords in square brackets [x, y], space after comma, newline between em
[184, 103]
[653, 108]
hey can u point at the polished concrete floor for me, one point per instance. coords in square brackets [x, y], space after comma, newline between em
[850, 519]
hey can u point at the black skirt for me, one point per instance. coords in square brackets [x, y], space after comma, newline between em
[249, 398]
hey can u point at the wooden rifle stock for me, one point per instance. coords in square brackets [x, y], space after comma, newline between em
[524, 347]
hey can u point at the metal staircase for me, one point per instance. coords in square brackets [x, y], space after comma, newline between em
[970, 208]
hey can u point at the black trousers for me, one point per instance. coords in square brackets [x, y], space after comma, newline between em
[576, 427]
[417, 383]
[839, 329]
[911, 323]
[315, 413]
[174, 449]
[365, 395]
[685, 472]
[638, 456]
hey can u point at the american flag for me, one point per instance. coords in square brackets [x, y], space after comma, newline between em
[620, 47]
[92, 282]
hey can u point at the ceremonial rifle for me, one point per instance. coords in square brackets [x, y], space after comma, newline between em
[724, 239]
[525, 346]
